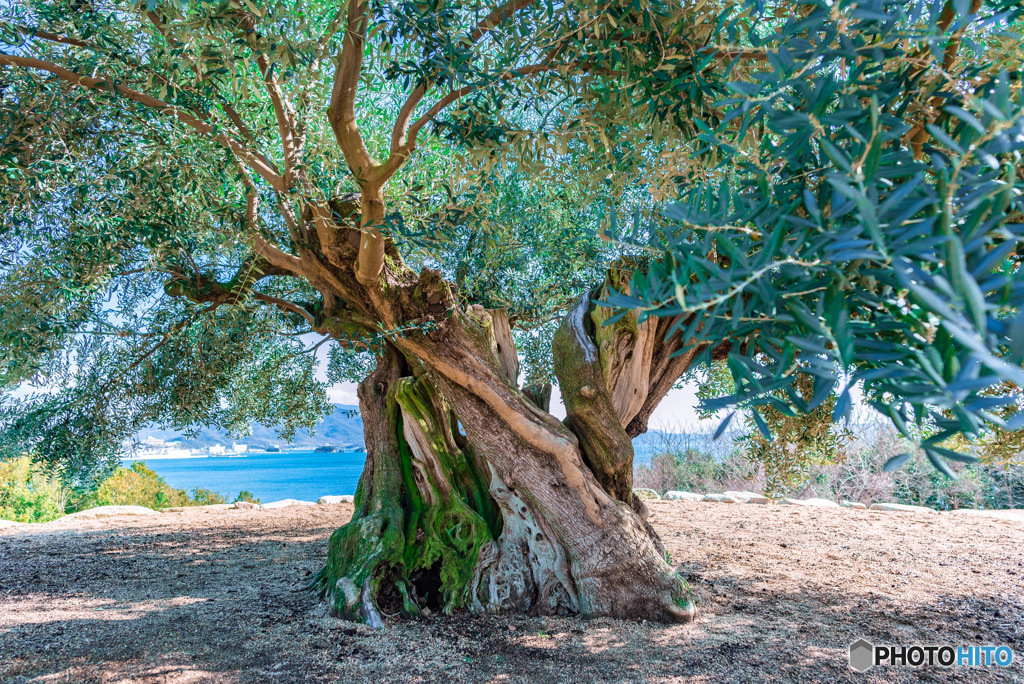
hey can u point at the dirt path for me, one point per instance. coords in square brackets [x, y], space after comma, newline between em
[213, 597]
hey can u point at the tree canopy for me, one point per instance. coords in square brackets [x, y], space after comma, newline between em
[828, 188]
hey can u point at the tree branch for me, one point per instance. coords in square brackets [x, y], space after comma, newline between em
[291, 143]
[261, 245]
[919, 135]
[253, 160]
[341, 113]
[229, 110]
[496, 17]
[54, 38]
[403, 143]
[285, 304]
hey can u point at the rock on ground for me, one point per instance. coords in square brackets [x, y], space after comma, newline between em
[344, 498]
[682, 496]
[744, 496]
[645, 493]
[853, 504]
[900, 508]
[108, 511]
[820, 503]
[284, 503]
[720, 498]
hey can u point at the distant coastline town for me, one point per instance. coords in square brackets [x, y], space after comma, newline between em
[152, 448]
[340, 431]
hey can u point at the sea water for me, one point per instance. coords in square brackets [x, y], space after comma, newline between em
[270, 476]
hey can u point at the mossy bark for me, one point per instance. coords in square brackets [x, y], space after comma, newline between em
[474, 498]
[422, 508]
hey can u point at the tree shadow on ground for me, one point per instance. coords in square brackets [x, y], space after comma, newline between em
[224, 604]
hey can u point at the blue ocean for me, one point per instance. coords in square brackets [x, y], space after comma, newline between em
[303, 475]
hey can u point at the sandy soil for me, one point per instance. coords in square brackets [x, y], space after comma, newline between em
[216, 597]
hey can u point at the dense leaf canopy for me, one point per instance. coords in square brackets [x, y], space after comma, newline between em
[833, 186]
[856, 215]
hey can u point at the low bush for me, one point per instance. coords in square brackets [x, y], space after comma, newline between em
[245, 495]
[30, 493]
[858, 476]
[137, 485]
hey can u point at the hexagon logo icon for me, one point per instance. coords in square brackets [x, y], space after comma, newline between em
[862, 655]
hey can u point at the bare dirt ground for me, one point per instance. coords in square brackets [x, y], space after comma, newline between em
[180, 598]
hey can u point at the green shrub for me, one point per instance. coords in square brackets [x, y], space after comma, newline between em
[140, 486]
[205, 497]
[245, 495]
[30, 493]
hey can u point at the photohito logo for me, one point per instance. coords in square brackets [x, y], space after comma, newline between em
[864, 655]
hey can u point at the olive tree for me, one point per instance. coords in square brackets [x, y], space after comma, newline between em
[193, 190]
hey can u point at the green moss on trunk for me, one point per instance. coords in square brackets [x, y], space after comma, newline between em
[422, 515]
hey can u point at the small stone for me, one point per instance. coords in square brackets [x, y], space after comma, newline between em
[644, 493]
[588, 392]
[284, 503]
[327, 500]
[763, 500]
[720, 498]
[245, 505]
[818, 503]
[682, 496]
[853, 504]
[900, 507]
[744, 496]
[511, 628]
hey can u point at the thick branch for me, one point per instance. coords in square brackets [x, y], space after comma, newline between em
[253, 160]
[261, 245]
[342, 110]
[286, 305]
[590, 413]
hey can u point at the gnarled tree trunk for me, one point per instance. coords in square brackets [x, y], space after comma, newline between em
[476, 498]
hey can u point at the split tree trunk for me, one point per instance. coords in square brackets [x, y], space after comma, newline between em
[475, 498]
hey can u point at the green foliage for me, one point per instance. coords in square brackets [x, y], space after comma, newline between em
[696, 471]
[30, 493]
[851, 212]
[813, 182]
[137, 485]
[785, 447]
[245, 495]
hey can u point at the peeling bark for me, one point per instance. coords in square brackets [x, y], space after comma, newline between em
[589, 405]
[502, 515]
[474, 497]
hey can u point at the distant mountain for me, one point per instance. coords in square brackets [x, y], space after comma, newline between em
[342, 428]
